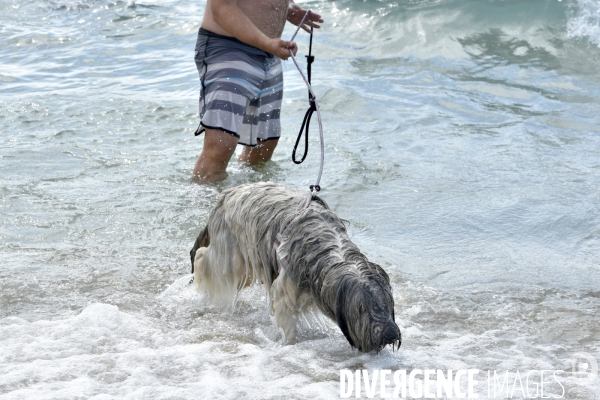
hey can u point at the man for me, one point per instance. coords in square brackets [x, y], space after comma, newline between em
[238, 55]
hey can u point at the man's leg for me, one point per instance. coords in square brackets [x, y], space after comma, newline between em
[262, 152]
[218, 148]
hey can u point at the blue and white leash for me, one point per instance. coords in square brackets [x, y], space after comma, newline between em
[314, 106]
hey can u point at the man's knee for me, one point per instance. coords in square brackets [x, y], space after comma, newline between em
[219, 144]
[262, 152]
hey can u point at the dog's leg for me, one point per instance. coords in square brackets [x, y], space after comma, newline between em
[288, 303]
[220, 269]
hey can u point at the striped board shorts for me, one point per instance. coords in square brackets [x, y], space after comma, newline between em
[241, 88]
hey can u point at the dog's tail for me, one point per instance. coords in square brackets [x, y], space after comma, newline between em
[203, 240]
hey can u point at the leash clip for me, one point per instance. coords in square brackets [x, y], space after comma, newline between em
[314, 189]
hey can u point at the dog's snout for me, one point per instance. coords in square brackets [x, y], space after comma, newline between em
[391, 334]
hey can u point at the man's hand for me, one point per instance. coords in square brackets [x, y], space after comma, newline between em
[281, 48]
[296, 13]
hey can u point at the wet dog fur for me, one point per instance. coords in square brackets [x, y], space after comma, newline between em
[303, 256]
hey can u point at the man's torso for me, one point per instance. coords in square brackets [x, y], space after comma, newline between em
[268, 16]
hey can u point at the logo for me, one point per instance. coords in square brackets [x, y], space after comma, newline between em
[468, 383]
[585, 368]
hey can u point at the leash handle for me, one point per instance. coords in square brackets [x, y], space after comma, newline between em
[305, 124]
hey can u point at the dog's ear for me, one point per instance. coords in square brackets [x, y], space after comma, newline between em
[340, 315]
[202, 240]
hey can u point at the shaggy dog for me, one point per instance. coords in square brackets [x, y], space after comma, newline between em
[299, 249]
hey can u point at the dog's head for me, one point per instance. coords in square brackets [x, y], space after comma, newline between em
[365, 309]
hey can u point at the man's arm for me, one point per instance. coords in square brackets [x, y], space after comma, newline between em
[227, 14]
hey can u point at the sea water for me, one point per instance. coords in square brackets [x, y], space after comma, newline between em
[462, 145]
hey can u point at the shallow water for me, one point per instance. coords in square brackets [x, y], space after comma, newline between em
[462, 145]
